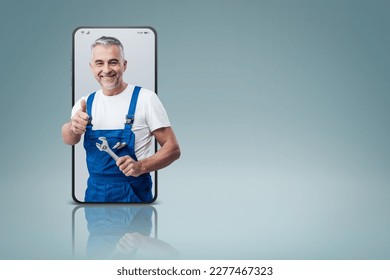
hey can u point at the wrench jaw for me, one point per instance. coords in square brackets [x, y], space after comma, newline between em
[104, 141]
[104, 147]
[99, 146]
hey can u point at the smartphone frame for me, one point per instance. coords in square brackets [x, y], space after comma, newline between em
[155, 173]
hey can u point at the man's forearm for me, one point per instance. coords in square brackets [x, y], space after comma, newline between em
[164, 157]
[68, 136]
[168, 153]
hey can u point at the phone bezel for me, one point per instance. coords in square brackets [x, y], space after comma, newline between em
[155, 173]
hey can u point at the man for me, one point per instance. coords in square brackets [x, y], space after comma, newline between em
[128, 117]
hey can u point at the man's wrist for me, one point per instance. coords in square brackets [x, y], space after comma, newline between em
[143, 166]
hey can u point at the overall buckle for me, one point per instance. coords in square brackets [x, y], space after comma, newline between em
[129, 120]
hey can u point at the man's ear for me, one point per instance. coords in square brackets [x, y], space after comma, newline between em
[125, 65]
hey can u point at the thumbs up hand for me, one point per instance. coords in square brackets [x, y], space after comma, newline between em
[80, 119]
[83, 105]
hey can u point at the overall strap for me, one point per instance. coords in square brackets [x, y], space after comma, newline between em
[89, 106]
[133, 105]
[128, 135]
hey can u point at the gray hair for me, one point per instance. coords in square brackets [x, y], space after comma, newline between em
[109, 41]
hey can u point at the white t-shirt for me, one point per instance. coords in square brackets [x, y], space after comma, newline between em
[109, 112]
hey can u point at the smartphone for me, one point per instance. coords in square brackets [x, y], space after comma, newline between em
[140, 51]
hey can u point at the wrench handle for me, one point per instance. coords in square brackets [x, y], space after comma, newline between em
[112, 154]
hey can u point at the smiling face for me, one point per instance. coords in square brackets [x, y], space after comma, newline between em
[108, 66]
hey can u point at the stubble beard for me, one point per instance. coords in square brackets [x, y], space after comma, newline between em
[110, 83]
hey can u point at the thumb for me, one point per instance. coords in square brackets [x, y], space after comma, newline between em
[83, 106]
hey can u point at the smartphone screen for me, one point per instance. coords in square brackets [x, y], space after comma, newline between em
[140, 51]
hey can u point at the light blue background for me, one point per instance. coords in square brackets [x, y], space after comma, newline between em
[281, 109]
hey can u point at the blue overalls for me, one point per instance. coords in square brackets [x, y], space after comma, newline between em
[106, 182]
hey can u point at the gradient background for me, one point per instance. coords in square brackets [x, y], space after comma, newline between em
[281, 109]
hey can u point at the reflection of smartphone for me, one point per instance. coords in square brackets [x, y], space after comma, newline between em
[140, 51]
[97, 230]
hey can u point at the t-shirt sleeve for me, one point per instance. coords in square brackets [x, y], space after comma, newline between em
[156, 116]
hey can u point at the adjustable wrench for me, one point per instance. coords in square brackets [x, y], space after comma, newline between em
[104, 147]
